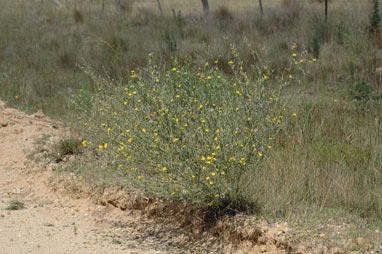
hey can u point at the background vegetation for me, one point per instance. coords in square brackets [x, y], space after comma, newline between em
[328, 154]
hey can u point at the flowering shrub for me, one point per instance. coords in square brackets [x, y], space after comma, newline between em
[192, 135]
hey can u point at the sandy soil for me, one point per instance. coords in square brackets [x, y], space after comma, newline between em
[50, 222]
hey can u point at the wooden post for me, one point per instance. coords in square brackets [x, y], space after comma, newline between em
[326, 9]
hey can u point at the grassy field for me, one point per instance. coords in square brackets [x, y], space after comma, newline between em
[305, 86]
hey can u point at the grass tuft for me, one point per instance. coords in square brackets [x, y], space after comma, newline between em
[15, 205]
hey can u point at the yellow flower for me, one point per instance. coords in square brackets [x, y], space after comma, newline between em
[260, 154]
[290, 76]
[139, 178]
[207, 178]
[174, 69]
[206, 130]
[314, 60]
[125, 102]
[100, 147]
[201, 106]
[209, 77]
[249, 119]
[211, 182]
[164, 168]
[265, 77]
[105, 146]
[294, 54]
[84, 144]
[230, 62]
[216, 195]
[176, 139]
[302, 60]
[144, 130]
[217, 130]
[294, 114]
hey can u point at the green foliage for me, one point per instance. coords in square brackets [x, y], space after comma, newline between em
[78, 16]
[69, 146]
[316, 45]
[177, 18]
[362, 91]
[15, 205]
[186, 134]
[340, 32]
[375, 19]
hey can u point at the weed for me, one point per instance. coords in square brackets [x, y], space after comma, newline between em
[70, 146]
[116, 241]
[15, 205]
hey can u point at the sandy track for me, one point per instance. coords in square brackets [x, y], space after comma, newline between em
[50, 222]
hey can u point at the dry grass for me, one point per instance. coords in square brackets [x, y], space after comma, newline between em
[329, 156]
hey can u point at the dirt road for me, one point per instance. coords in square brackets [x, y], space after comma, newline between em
[50, 222]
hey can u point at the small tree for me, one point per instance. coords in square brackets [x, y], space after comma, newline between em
[375, 19]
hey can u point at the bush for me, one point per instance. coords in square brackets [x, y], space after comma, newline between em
[375, 19]
[185, 134]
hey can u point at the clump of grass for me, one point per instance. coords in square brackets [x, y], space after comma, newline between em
[70, 146]
[15, 205]
[194, 135]
[78, 16]
[66, 147]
